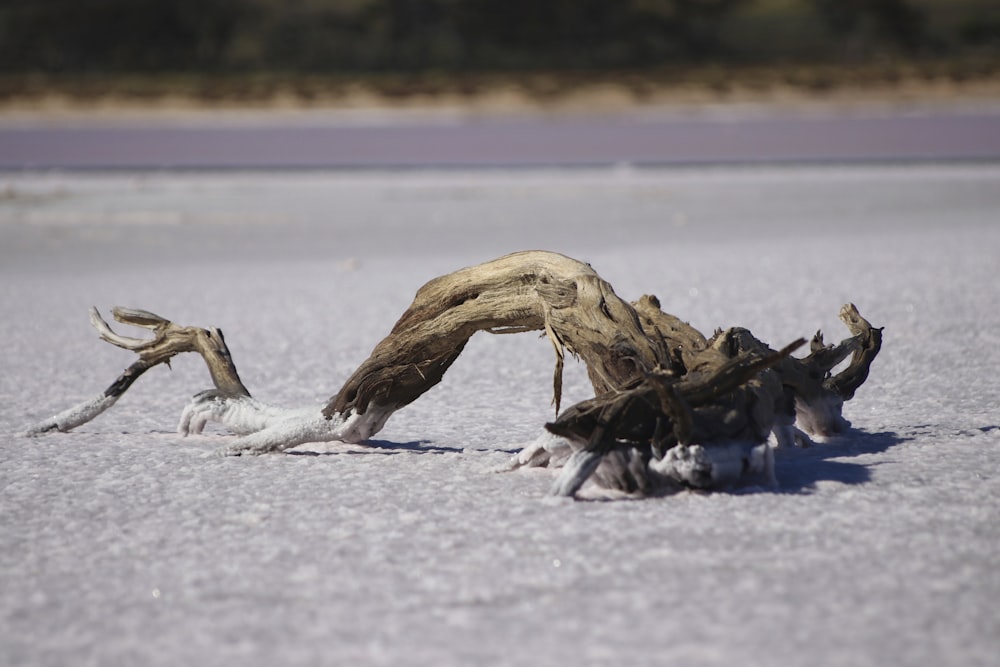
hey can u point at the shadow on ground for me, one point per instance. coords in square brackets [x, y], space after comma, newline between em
[801, 469]
[384, 447]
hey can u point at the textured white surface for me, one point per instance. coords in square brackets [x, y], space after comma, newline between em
[124, 543]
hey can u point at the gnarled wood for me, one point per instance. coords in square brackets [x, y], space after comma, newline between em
[725, 404]
[526, 291]
[168, 341]
[666, 397]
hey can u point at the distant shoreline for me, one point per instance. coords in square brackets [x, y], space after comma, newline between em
[794, 87]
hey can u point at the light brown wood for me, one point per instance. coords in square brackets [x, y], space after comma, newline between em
[528, 291]
[658, 382]
[168, 341]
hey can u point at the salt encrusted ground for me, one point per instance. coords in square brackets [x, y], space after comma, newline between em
[123, 543]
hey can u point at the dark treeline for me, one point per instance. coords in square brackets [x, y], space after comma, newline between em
[353, 36]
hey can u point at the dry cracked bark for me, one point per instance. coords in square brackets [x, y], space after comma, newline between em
[670, 405]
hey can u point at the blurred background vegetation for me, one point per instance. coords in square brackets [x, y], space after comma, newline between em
[233, 49]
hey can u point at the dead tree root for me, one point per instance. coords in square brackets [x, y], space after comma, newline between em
[664, 394]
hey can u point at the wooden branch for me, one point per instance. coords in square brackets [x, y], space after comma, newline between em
[816, 397]
[635, 415]
[527, 291]
[168, 341]
[868, 341]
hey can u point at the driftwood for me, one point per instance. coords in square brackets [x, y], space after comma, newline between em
[168, 341]
[669, 406]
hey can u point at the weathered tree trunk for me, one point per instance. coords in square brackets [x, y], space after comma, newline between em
[669, 402]
[527, 291]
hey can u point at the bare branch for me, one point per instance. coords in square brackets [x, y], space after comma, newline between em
[168, 341]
